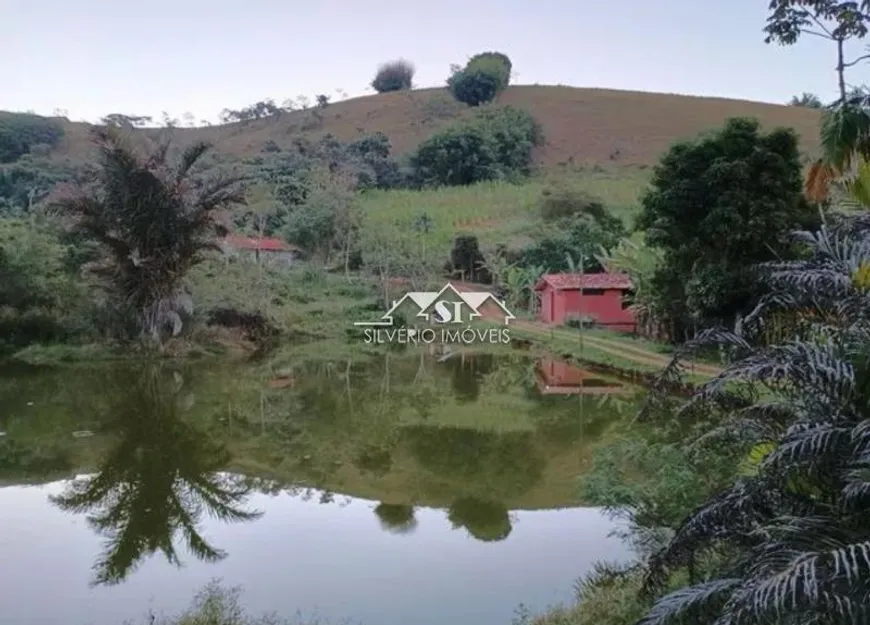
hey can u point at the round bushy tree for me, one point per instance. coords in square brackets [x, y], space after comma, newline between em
[716, 207]
[494, 143]
[482, 79]
[394, 76]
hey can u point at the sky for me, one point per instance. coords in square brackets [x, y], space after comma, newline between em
[88, 58]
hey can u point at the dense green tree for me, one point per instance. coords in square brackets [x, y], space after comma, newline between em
[329, 219]
[37, 293]
[716, 207]
[394, 76]
[568, 243]
[481, 80]
[20, 132]
[154, 222]
[495, 143]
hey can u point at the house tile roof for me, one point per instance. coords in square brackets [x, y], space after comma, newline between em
[265, 244]
[567, 281]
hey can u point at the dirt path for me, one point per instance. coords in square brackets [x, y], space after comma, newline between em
[613, 347]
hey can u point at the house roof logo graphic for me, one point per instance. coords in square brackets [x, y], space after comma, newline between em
[424, 300]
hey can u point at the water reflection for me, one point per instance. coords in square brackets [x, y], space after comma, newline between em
[557, 377]
[396, 518]
[487, 521]
[470, 437]
[156, 481]
[468, 371]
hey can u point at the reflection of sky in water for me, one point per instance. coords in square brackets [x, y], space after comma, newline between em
[334, 560]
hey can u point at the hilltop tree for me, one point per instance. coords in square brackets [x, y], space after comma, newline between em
[835, 21]
[481, 80]
[126, 121]
[717, 207]
[153, 222]
[394, 76]
[807, 100]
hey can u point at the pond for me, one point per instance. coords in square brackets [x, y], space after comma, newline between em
[383, 490]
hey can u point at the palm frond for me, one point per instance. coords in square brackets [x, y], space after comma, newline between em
[694, 604]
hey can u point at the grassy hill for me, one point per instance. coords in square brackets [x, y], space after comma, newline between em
[582, 126]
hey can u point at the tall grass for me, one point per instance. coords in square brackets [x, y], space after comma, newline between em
[498, 212]
[216, 604]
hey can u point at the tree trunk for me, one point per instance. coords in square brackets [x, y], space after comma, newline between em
[841, 71]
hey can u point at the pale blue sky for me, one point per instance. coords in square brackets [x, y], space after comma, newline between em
[93, 57]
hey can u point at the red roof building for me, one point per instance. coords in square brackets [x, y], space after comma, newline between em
[265, 246]
[598, 297]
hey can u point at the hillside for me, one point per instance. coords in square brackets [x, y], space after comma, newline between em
[582, 126]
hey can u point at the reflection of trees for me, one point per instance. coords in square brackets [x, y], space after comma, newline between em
[488, 521]
[506, 463]
[156, 482]
[467, 373]
[396, 518]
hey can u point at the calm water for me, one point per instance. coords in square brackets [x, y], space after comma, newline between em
[386, 491]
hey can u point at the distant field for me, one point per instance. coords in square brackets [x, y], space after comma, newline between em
[499, 211]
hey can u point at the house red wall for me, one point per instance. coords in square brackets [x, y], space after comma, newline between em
[559, 305]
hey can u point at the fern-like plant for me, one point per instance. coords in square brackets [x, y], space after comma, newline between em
[793, 531]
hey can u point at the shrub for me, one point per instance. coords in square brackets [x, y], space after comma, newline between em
[495, 143]
[394, 76]
[20, 131]
[561, 201]
[481, 80]
[467, 261]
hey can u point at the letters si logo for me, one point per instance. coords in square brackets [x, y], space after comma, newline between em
[431, 306]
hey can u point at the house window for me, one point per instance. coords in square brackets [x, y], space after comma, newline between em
[593, 291]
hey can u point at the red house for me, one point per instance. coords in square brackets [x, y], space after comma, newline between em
[264, 248]
[598, 296]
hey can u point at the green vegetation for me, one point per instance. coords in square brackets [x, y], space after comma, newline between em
[217, 604]
[495, 143]
[716, 208]
[21, 133]
[394, 76]
[481, 80]
[748, 503]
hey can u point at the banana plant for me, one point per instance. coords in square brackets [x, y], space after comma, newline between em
[497, 265]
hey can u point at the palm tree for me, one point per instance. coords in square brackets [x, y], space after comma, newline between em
[792, 535]
[845, 141]
[154, 223]
[155, 483]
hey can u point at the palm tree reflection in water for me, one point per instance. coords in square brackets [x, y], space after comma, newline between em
[156, 482]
